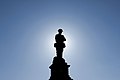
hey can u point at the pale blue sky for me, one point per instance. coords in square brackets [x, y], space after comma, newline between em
[27, 29]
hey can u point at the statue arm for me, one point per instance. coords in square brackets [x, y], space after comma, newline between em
[64, 38]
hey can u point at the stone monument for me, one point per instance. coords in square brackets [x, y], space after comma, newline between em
[59, 68]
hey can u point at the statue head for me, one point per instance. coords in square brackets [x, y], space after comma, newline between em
[60, 31]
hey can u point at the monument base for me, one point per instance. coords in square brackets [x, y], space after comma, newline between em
[59, 69]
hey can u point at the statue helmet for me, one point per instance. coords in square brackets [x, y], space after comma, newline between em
[60, 30]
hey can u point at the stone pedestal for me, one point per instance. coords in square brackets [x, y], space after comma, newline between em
[59, 69]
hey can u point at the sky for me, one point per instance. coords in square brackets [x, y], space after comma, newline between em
[91, 27]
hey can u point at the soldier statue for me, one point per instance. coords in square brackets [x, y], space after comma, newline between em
[59, 45]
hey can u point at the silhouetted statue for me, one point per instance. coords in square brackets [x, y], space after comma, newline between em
[59, 45]
[59, 68]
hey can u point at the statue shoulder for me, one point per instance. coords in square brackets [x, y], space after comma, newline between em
[57, 35]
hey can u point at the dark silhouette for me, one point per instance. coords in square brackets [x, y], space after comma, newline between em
[59, 68]
[59, 45]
